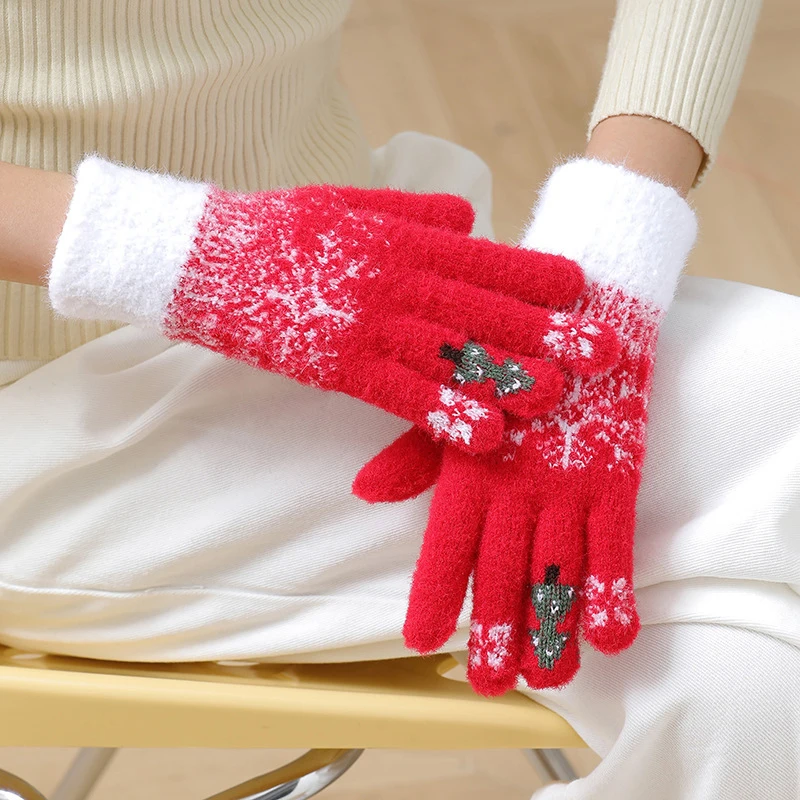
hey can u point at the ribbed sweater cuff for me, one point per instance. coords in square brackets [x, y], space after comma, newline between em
[680, 61]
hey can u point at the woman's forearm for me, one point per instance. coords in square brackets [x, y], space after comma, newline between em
[679, 61]
[650, 147]
[33, 207]
[34, 202]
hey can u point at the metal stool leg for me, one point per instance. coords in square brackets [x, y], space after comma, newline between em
[299, 780]
[83, 773]
[551, 765]
[14, 788]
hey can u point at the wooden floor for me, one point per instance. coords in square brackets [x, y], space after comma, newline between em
[514, 80]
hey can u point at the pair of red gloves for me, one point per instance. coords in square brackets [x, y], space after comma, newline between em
[526, 384]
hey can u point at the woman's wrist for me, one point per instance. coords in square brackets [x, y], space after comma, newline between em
[33, 207]
[649, 146]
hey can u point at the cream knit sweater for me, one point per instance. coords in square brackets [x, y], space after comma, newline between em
[244, 93]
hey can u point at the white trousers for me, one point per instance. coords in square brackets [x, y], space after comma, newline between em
[158, 502]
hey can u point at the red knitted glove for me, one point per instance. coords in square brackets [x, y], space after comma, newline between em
[545, 525]
[379, 294]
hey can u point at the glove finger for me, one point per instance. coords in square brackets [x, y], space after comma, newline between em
[445, 413]
[552, 655]
[499, 591]
[528, 275]
[447, 556]
[435, 210]
[580, 344]
[610, 619]
[407, 467]
[524, 386]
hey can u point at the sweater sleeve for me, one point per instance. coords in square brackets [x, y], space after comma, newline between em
[680, 61]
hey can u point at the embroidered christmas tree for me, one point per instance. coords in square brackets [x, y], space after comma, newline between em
[551, 602]
[475, 365]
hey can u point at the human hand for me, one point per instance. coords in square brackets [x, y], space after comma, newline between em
[545, 525]
[379, 294]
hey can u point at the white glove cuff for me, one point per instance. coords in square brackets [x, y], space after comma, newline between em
[127, 234]
[621, 227]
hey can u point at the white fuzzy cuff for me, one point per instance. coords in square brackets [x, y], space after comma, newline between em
[621, 227]
[127, 234]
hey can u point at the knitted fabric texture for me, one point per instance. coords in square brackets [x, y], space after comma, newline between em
[353, 290]
[545, 525]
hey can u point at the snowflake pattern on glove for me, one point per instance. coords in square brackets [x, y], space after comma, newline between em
[571, 337]
[603, 418]
[288, 307]
[595, 435]
[606, 601]
[561, 491]
[489, 645]
[455, 418]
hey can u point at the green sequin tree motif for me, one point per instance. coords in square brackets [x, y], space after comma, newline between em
[475, 365]
[551, 602]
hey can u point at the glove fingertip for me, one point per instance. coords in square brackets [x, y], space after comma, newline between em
[570, 277]
[446, 211]
[542, 679]
[606, 349]
[550, 279]
[467, 431]
[489, 684]
[376, 485]
[406, 468]
[543, 397]
[613, 638]
[425, 639]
